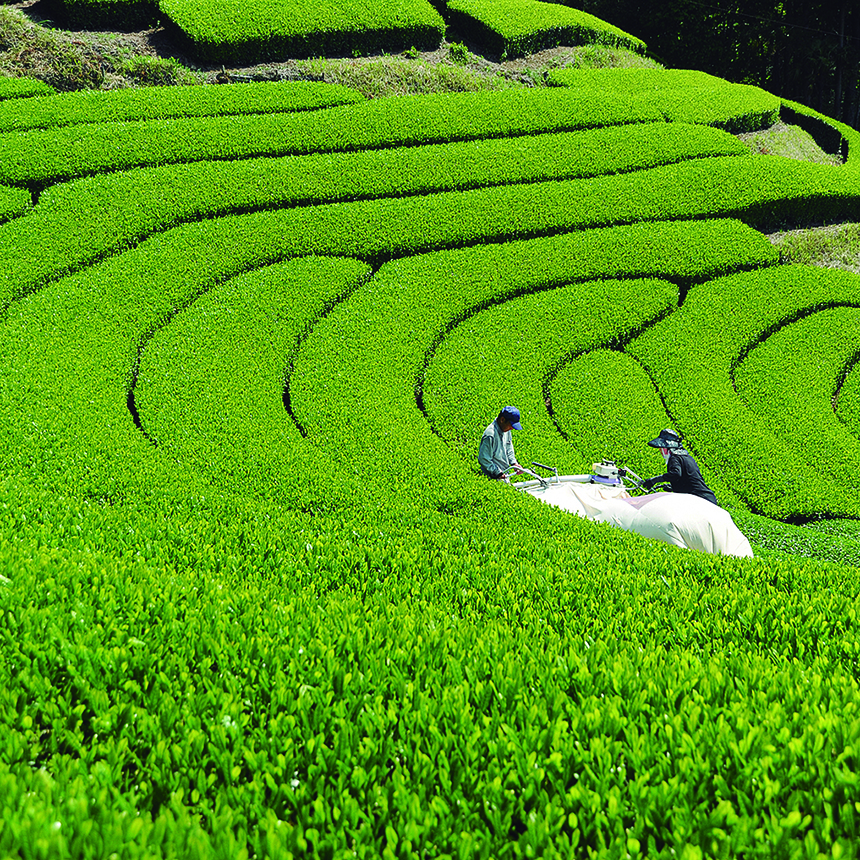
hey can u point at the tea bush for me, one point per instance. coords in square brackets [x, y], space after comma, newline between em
[260, 30]
[148, 103]
[380, 229]
[515, 28]
[518, 345]
[226, 713]
[147, 286]
[847, 401]
[792, 380]
[13, 88]
[605, 400]
[210, 386]
[685, 96]
[14, 202]
[369, 354]
[756, 189]
[833, 137]
[76, 223]
[257, 32]
[640, 81]
[605, 403]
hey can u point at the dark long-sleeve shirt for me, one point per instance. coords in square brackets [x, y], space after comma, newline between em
[682, 473]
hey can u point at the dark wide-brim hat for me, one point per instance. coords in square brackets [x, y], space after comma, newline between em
[667, 439]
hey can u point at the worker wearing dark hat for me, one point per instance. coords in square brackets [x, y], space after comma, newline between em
[496, 452]
[682, 471]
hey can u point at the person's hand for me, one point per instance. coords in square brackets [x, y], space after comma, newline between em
[649, 484]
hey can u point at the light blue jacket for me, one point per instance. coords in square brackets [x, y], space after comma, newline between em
[496, 452]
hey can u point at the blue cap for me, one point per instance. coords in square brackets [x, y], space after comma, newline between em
[667, 439]
[512, 415]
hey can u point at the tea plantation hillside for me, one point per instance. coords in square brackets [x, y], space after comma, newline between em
[257, 599]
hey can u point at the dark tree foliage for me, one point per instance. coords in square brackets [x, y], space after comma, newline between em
[805, 50]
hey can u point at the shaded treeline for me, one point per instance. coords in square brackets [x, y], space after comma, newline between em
[806, 50]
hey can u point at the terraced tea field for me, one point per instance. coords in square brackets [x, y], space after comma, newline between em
[258, 599]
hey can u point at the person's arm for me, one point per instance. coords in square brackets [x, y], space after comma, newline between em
[652, 482]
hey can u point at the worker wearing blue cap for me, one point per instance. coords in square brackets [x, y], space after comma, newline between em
[496, 453]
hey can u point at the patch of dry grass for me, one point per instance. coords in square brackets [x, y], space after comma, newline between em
[580, 57]
[452, 67]
[789, 141]
[28, 50]
[73, 61]
[379, 77]
[836, 246]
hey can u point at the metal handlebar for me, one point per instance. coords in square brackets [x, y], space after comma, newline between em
[630, 478]
[510, 470]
